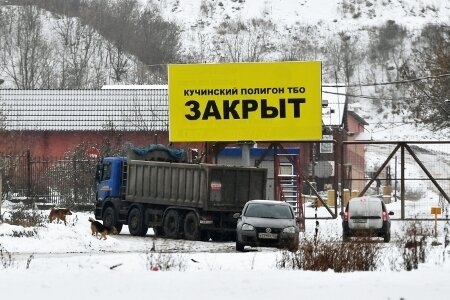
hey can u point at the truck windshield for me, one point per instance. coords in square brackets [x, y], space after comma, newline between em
[104, 171]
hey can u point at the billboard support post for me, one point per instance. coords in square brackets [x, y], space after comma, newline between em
[245, 147]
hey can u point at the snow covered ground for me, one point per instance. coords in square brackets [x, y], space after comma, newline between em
[68, 262]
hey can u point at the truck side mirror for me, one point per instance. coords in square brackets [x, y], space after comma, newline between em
[236, 215]
[391, 213]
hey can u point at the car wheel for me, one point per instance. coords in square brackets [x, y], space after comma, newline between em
[172, 224]
[191, 227]
[136, 222]
[109, 219]
[387, 237]
[239, 246]
[293, 248]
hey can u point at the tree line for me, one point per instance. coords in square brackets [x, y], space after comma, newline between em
[99, 41]
[85, 45]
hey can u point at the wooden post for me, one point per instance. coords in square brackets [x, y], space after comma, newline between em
[1, 198]
[435, 211]
[435, 226]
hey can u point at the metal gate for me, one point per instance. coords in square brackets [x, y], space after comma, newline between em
[411, 177]
[45, 181]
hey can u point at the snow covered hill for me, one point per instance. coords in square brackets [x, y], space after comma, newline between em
[336, 14]
[346, 35]
[312, 29]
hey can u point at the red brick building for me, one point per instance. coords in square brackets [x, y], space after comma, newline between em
[54, 123]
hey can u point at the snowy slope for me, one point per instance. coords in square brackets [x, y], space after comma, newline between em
[327, 18]
[343, 14]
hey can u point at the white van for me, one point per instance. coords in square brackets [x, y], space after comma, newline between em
[366, 215]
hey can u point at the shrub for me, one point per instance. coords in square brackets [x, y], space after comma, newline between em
[322, 255]
[414, 194]
[24, 233]
[165, 262]
[414, 243]
[6, 258]
[25, 217]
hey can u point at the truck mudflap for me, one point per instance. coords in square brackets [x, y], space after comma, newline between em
[98, 210]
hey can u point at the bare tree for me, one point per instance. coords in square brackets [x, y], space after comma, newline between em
[300, 43]
[431, 59]
[78, 46]
[343, 56]
[244, 42]
[28, 57]
[157, 41]
[123, 16]
[99, 64]
[118, 60]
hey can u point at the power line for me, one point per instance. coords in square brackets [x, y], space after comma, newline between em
[389, 82]
[365, 97]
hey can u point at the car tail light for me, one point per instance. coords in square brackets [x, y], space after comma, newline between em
[346, 216]
[385, 216]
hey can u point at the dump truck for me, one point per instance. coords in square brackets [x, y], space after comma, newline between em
[194, 201]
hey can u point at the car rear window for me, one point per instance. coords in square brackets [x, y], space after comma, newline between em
[260, 210]
[365, 208]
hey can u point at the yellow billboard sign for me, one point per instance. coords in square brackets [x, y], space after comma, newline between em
[245, 102]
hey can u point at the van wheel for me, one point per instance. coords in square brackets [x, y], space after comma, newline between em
[345, 238]
[171, 224]
[109, 219]
[191, 227]
[136, 222]
[387, 237]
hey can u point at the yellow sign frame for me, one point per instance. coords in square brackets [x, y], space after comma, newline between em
[245, 102]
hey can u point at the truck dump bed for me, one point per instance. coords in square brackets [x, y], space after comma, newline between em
[206, 186]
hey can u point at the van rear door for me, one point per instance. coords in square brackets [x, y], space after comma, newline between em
[365, 214]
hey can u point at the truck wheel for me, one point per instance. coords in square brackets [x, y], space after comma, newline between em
[191, 228]
[171, 224]
[158, 231]
[136, 223]
[239, 246]
[109, 219]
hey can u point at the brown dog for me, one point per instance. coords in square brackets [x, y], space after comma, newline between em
[98, 228]
[59, 214]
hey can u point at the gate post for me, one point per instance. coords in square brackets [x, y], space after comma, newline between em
[1, 197]
[402, 182]
[29, 176]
